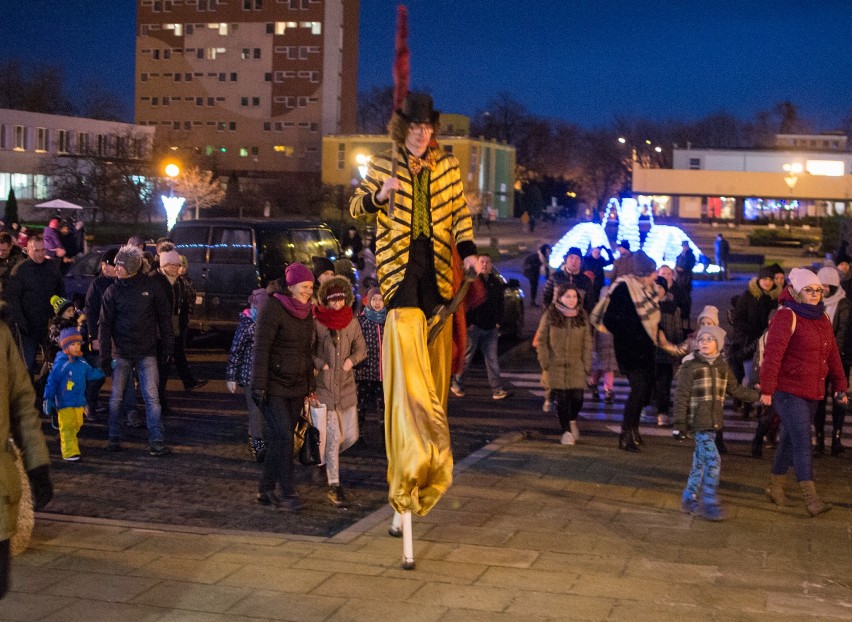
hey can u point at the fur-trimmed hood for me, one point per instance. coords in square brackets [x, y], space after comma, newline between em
[338, 281]
[754, 290]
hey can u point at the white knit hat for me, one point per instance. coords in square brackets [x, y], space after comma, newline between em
[711, 312]
[802, 277]
[170, 258]
[828, 275]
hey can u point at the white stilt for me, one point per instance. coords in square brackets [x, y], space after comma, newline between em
[396, 525]
[407, 542]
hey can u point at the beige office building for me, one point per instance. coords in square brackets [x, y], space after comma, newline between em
[251, 84]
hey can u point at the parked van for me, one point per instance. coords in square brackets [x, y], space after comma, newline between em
[230, 257]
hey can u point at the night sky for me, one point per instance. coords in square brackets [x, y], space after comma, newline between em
[584, 61]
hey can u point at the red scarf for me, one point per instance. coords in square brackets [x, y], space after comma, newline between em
[334, 320]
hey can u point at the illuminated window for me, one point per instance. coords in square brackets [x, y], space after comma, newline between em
[177, 28]
[243, 152]
[246, 53]
[829, 168]
[316, 27]
[281, 27]
[20, 138]
[213, 53]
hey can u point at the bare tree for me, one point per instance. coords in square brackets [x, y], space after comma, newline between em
[200, 189]
[101, 103]
[374, 110]
[34, 89]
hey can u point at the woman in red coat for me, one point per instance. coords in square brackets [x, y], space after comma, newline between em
[800, 353]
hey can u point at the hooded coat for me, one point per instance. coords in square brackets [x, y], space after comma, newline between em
[751, 317]
[335, 387]
[19, 421]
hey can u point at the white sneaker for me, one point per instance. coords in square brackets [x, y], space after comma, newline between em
[575, 430]
[546, 406]
[567, 439]
[664, 421]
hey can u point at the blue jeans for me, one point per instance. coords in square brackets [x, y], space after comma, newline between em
[487, 340]
[146, 370]
[794, 447]
[706, 467]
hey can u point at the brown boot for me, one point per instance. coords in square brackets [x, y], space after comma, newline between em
[813, 503]
[775, 491]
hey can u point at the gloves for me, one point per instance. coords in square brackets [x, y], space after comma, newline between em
[106, 365]
[41, 486]
[231, 386]
[258, 396]
[47, 407]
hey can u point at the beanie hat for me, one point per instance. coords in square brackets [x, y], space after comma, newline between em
[642, 264]
[717, 332]
[67, 336]
[828, 275]
[320, 265]
[710, 312]
[109, 257]
[766, 272]
[625, 244]
[841, 257]
[258, 297]
[59, 304]
[130, 258]
[373, 291]
[170, 258]
[573, 251]
[336, 288]
[776, 269]
[801, 278]
[297, 273]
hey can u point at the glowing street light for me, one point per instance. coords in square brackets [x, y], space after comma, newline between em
[171, 203]
[362, 160]
[793, 169]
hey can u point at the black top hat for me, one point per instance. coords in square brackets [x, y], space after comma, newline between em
[417, 108]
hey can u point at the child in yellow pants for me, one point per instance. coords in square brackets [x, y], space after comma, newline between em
[66, 390]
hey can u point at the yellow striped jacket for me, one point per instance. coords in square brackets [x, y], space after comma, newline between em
[450, 219]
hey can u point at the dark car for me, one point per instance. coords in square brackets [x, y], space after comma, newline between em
[229, 258]
[82, 272]
[512, 324]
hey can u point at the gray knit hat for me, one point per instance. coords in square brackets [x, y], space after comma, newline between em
[130, 258]
[642, 264]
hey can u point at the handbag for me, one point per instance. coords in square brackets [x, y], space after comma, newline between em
[306, 440]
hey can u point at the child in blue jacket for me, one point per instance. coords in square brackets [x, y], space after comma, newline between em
[66, 390]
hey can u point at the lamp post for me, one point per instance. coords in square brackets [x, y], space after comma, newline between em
[171, 203]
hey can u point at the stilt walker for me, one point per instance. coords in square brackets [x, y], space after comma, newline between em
[423, 232]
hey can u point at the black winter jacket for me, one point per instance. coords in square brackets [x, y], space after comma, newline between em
[29, 290]
[751, 317]
[581, 281]
[487, 315]
[634, 349]
[94, 299]
[283, 352]
[135, 312]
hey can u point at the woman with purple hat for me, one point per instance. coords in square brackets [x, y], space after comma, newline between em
[282, 377]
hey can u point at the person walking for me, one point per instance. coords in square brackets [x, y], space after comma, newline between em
[10, 256]
[339, 347]
[595, 263]
[631, 312]
[535, 265]
[19, 420]
[484, 304]
[624, 264]
[702, 383]
[417, 238]
[238, 370]
[800, 354]
[671, 326]
[368, 373]
[684, 265]
[570, 273]
[839, 311]
[65, 391]
[565, 355]
[722, 250]
[31, 285]
[134, 330]
[184, 303]
[282, 376]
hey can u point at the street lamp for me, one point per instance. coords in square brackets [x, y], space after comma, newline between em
[171, 203]
[794, 169]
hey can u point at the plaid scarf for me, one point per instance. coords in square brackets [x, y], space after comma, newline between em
[644, 299]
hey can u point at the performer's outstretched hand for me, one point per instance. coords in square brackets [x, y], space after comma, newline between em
[472, 261]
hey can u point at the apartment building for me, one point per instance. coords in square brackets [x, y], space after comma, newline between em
[253, 85]
[29, 140]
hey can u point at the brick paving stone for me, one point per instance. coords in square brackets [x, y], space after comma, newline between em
[270, 577]
[33, 579]
[356, 610]
[103, 561]
[282, 606]
[23, 607]
[481, 597]
[433, 570]
[102, 611]
[513, 557]
[182, 568]
[561, 606]
[107, 587]
[529, 579]
[468, 615]
[370, 588]
[192, 596]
